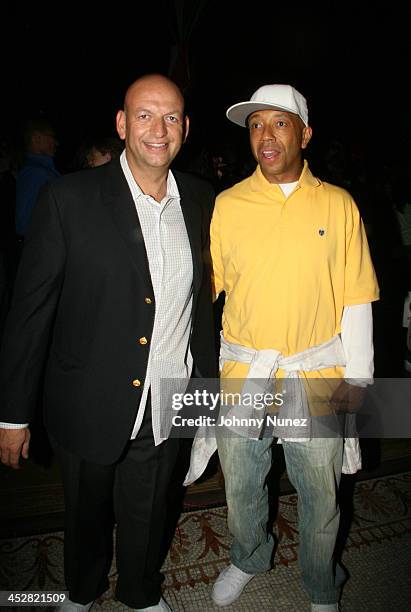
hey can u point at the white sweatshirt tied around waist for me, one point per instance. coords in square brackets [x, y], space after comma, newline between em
[263, 367]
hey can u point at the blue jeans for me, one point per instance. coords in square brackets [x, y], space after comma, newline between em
[314, 468]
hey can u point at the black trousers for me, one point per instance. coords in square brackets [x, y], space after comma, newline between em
[131, 493]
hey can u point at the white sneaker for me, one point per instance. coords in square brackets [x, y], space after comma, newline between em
[71, 606]
[325, 607]
[160, 607]
[229, 585]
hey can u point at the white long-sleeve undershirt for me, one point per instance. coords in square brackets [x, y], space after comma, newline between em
[357, 340]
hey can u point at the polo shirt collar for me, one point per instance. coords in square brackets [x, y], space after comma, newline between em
[260, 183]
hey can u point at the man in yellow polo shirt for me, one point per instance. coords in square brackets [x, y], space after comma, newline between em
[291, 254]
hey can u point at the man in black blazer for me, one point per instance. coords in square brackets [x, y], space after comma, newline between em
[113, 294]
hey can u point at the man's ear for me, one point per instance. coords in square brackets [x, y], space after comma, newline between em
[121, 124]
[306, 136]
[186, 128]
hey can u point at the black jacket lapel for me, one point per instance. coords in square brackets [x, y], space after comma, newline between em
[119, 202]
[192, 218]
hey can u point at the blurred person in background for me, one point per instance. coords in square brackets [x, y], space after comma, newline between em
[40, 145]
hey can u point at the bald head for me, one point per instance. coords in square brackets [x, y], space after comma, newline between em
[152, 83]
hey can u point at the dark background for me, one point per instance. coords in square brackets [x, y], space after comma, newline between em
[74, 62]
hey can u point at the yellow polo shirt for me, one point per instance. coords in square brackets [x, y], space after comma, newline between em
[288, 265]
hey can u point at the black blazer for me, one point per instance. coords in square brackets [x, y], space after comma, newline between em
[83, 298]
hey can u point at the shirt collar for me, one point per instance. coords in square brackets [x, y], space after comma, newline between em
[172, 189]
[260, 183]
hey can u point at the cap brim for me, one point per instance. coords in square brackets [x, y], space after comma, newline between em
[238, 113]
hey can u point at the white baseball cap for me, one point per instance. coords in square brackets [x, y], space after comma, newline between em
[281, 97]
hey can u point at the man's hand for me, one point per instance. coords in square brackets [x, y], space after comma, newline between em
[14, 442]
[348, 398]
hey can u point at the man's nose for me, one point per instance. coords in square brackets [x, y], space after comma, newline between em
[159, 127]
[269, 132]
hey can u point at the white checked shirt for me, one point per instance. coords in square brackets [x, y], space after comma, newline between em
[171, 269]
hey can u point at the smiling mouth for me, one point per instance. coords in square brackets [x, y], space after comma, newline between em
[156, 146]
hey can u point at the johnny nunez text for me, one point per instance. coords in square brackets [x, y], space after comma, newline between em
[233, 421]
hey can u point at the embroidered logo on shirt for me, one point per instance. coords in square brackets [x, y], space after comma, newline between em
[321, 232]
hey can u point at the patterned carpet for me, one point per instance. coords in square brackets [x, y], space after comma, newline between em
[377, 554]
